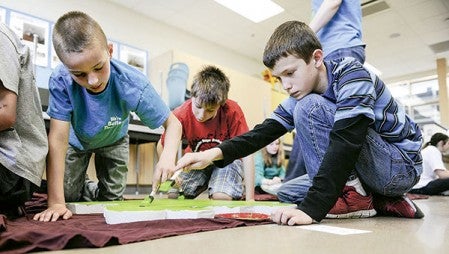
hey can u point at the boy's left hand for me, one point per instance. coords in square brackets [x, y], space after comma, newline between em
[198, 160]
[291, 216]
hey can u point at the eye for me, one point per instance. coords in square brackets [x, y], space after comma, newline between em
[79, 75]
[98, 68]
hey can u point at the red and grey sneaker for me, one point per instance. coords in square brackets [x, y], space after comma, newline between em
[352, 204]
[397, 206]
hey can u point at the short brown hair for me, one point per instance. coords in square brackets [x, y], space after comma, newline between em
[76, 31]
[291, 38]
[210, 86]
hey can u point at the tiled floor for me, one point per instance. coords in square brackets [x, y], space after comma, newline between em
[373, 235]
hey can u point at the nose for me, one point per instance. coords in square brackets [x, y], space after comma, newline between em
[286, 85]
[200, 114]
[92, 79]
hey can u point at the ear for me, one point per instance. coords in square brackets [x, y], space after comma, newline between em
[317, 57]
[110, 49]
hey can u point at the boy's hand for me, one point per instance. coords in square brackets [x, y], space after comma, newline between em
[162, 173]
[53, 212]
[291, 216]
[197, 160]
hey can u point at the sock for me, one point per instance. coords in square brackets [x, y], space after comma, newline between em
[357, 185]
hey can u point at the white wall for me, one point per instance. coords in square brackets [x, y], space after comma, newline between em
[131, 28]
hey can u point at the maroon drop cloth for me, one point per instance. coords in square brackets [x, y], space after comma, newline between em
[91, 231]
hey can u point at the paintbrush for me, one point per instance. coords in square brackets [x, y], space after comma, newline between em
[165, 186]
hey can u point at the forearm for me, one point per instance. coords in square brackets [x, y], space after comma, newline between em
[250, 142]
[55, 172]
[324, 14]
[173, 132]
[8, 101]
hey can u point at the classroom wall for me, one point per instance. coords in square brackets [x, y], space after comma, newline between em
[157, 39]
[131, 28]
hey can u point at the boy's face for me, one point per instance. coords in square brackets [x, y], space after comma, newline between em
[90, 68]
[203, 113]
[298, 78]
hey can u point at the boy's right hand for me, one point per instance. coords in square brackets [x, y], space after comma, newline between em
[53, 212]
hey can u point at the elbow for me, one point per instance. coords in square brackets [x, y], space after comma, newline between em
[8, 122]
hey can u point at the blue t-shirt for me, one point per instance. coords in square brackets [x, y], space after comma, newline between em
[99, 120]
[344, 30]
[356, 91]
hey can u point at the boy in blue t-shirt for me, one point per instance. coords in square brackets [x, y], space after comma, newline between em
[348, 125]
[91, 97]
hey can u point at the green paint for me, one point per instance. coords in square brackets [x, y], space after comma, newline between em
[166, 186]
[177, 204]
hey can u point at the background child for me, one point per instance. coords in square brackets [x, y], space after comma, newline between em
[91, 97]
[23, 139]
[435, 177]
[269, 167]
[207, 119]
[346, 120]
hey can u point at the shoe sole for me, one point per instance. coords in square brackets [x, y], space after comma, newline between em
[353, 215]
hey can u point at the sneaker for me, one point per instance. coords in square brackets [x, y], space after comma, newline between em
[271, 189]
[397, 206]
[352, 205]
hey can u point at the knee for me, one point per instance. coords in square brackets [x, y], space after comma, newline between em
[221, 196]
[306, 104]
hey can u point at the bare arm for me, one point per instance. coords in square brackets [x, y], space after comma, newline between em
[324, 14]
[248, 167]
[167, 155]
[8, 106]
[199, 160]
[442, 173]
[58, 141]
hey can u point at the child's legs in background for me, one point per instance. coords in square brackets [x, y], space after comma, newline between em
[111, 164]
[194, 182]
[435, 187]
[228, 180]
[382, 169]
[294, 190]
[76, 163]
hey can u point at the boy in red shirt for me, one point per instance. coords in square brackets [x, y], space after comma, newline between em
[207, 119]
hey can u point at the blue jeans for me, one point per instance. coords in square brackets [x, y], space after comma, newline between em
[380, 167]
[295, 167]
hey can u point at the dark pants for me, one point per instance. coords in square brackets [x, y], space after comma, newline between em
[14, 192]
[435, 187]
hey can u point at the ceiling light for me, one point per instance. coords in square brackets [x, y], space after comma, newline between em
[254, 10]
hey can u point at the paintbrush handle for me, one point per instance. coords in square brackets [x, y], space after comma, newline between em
[175, 175]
